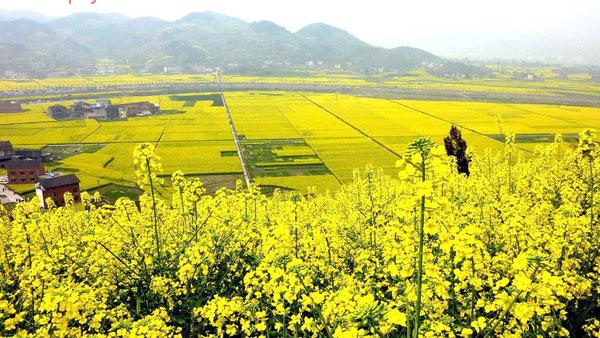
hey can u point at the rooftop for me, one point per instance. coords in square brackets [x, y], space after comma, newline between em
[24, 164]
[59, 181]
[57, 107]
[5, 145]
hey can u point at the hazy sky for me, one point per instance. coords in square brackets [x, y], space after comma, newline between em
[419, 23]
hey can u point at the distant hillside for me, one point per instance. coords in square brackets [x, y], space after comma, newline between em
[14, 15]
[199, 39]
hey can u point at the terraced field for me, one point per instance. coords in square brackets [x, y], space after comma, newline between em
[289, 140]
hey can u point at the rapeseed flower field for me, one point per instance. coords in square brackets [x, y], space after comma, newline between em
[547, 83]
[513, 250]
[314, 139]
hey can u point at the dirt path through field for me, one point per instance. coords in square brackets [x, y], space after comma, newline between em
[238, 146]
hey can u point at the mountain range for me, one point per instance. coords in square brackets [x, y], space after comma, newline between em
[198, 39]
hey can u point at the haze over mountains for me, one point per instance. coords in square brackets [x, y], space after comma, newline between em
[198, 39]
[31, 40]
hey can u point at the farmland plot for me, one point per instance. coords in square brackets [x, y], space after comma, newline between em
[195, 138]
[290, 140]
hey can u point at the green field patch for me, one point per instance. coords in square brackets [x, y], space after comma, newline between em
[270, 189]
[290, 170]
[64, 151]
[264, 159]
[294, 151]
[290, 161]
[190, 100]
[229, 153]
[113, 192]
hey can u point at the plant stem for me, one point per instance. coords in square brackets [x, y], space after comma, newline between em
[510, 185]
[507, 310]
[420, 254]
[592, 194]
[156, 234]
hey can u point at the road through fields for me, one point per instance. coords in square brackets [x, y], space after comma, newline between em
[236, 140]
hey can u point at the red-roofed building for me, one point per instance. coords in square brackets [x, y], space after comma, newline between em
[55, 188]
[24, 171]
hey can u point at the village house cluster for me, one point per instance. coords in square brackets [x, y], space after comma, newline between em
[103, 110]
[26, 166]
[10, 154]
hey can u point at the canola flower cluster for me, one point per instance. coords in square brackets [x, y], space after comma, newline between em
[511, 251]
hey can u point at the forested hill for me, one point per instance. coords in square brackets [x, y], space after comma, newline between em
[196, 40]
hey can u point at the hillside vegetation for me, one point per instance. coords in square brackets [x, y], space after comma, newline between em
[198, 39]
[511, 251]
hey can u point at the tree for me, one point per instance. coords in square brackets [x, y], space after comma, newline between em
[457, 147]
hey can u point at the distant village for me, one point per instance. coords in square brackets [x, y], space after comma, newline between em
[103, 110]
[26, 166]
